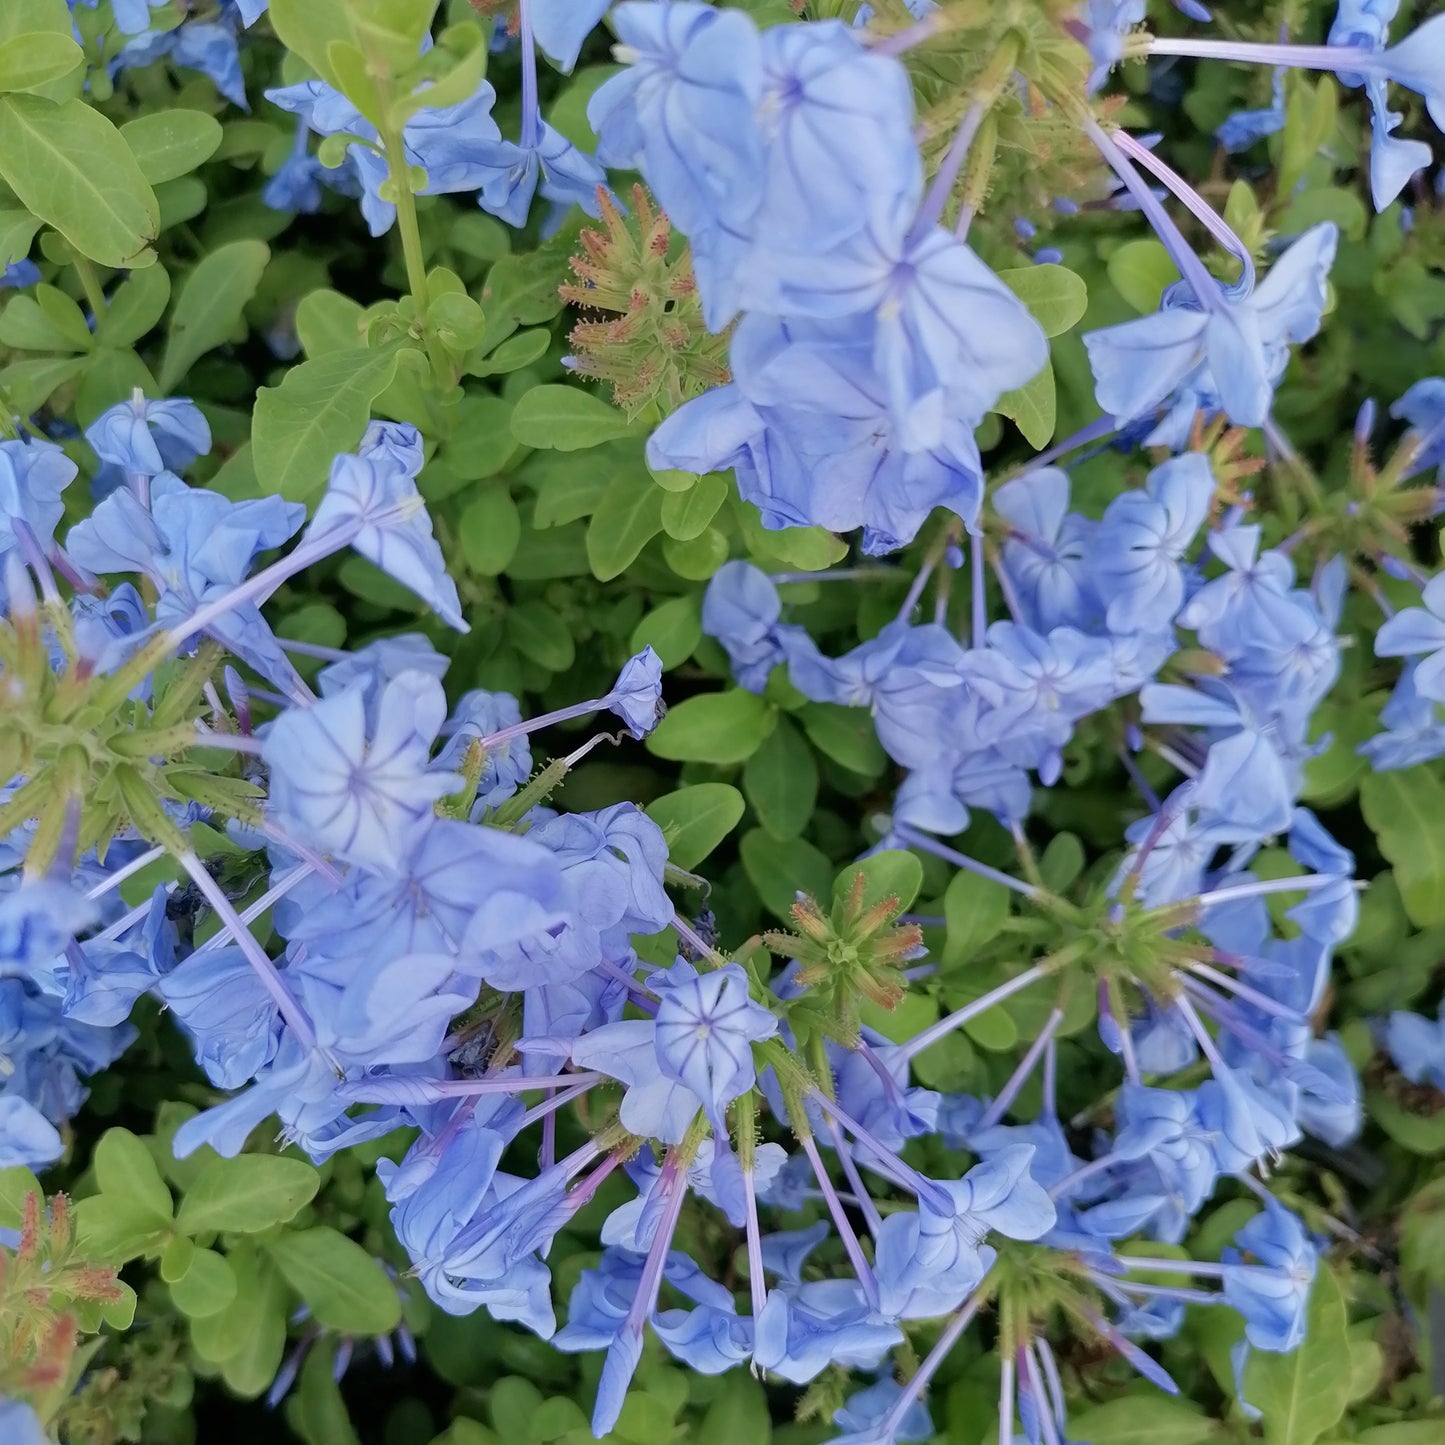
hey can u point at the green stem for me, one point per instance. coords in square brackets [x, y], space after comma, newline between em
[399, 174]
[90, 284]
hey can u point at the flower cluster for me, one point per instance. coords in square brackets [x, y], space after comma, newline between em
[356, 899]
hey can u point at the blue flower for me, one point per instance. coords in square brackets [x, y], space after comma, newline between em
[460, 889]
[865, 1410]
[372, 497]
[507, 765]
[683, 112]
[1047, 556]
[705, 1029]
[560, 27]
[637, 693]
[1273, 1293]
[808, 429]
[458, 146]
[205, 45]
[297, 185]
[150, 437]
[807, 1327]
[196, 546]
[549, 162]
[361, 800]
[1417, 1046]
[1415, 730]
[1418, 630]
[911, 677]
[1248, 781]
[948, 338]
[1423, 406]
[1226, 357]
[1143, 538]
[222, 1004]
[1365, 25]
[741, 609]
[133, 16]
[18, 275]
[19, 1424]
[28, 1140]
[1242, 129]
[32, 477]
[1247, 1122]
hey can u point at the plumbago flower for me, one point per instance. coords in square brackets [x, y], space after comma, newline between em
[446, 953]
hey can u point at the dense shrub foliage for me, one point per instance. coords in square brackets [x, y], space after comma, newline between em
[721, 722]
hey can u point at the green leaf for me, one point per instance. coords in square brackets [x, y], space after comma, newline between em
[309, 28]
[695, 820]
[672, 629]
[738, 1416]
[846, 735]
[1055, 296]
[207, 1287]
[15, 1184]
[1139, 271]
[33, 60]
[176, 1258]
[345, 1287]
[976, 908]
[248, 1193]
[250, 1370]
[781, 782]
[136, 306]
[1303, 1394]
[1406, 810]
[19, 17]
[27, 325]
[1422, 1134]
[30, 384]
[713, 727]
[315, 1410]
[1034, 407]
[72, 168]
[115, 1229]
[512, 1403]
[208, 310]
[779, 871]
[168, 144]
[1152, 1419]
[320, 409]
[489, 529]
[626, 519]
[328, 321]
[17, 231]
[686, 515]
[481, 442]
[513, 354]
[565, 418]
[126, 1169]
[890, 874]
[539, 632]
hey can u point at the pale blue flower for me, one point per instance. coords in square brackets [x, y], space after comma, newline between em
[1420, 630]
[1228, 356]
[150, 437]
[28, 1140]
[705, 1029]
[560, 27]
[372, 497]
[1142, 540]
[1417, 1046]
[1272, 1292]
[360, 799]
